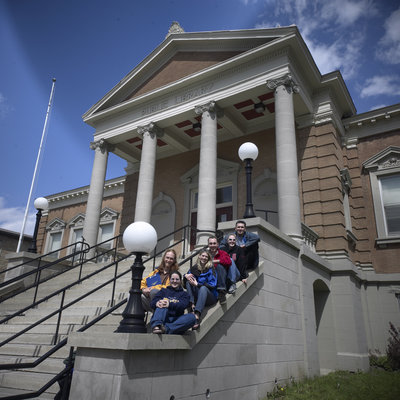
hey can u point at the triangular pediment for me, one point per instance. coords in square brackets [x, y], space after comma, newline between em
[179, 66]
[77, 221]
[56, 224]
[385, 159]
[182, 55]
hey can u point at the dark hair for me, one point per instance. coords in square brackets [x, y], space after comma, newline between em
[212, 237]
[240, 222]
[177, 273]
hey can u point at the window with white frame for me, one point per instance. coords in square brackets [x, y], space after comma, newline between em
[106, 233]
[108, 218]
[390, 192]
[384, 172]
[55, 231]
[76, 230]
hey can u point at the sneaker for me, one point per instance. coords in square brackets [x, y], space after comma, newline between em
[222, 297]
[232, 288]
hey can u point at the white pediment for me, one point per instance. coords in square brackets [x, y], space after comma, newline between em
[385, 159]
[77, 221]
[56, 224]
[216, 42]
[108, 214]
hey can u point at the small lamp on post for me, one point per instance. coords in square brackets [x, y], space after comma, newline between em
[248, 152]
[139, 238]
[40, 204]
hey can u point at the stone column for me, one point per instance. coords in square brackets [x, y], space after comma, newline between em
[144, 196]
[206, 207]
[95, 198]
[286, 156]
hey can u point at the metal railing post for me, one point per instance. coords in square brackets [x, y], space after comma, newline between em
[59, 317]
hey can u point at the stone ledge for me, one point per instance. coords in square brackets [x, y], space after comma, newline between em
[147, 341]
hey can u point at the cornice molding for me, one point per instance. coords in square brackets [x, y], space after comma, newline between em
[79, 195]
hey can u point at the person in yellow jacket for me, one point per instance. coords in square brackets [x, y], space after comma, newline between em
[158, 279]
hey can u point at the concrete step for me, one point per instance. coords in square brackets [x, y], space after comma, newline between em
[6, 392]
[32, 350]
[28, 381]
[48, 366]
[37, 341]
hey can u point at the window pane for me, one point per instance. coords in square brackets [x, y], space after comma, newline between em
[393, 219]
[224, 194]
[77, 235]
[55, 241]
[391, 189]
[195, 200]
[391, 203]
[106, 233]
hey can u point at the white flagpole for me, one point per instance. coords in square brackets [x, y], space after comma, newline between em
[37, 163]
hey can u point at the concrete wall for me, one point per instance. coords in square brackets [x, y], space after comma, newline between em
[267, 331]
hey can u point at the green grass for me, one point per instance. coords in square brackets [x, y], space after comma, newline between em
[341, 385]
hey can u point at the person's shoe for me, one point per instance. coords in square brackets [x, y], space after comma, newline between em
[159, 329]
[221, 297]
[232, 288]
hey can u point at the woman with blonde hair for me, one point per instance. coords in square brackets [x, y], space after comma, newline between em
[158, 279]
[201, 285]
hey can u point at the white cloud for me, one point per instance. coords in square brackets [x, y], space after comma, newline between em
[340, 55]
[377, 107]
[5, 108]
[345, 12]
[389, 45]
[327, 28]
[11, 218]
[381, 85]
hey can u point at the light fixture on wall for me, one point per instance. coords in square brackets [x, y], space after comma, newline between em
[259, 108]
[248, 152]
[197, 127]
[139, 238]
[40, 204]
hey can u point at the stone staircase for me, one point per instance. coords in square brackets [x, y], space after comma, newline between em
[37, 341]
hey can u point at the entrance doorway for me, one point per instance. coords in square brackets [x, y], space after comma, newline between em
[224, 209]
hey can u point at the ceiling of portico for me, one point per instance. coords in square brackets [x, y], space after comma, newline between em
[239, 119]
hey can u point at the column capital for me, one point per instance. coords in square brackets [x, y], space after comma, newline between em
[102, 145]
[286, 81]
[150, 128]
[210, 107]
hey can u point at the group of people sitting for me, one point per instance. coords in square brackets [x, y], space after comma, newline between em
[215, 273]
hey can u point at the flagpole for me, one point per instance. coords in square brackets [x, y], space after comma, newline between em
[37, 163]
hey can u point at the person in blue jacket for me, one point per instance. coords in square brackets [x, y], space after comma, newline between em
[201, 285]
[169, 306]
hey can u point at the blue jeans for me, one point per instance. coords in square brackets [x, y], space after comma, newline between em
[233, 273]
[226, 278]
[200, 296]
[173, 325]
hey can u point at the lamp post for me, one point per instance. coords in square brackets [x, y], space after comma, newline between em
[40, 204]
[248, 152]
[139, 238]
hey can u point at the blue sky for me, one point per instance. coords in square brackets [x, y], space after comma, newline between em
[89, 45]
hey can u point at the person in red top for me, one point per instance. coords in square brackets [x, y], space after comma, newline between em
[227, 273]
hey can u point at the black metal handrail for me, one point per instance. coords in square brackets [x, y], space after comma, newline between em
[59, 311]
[40, 257]
[62, 343]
